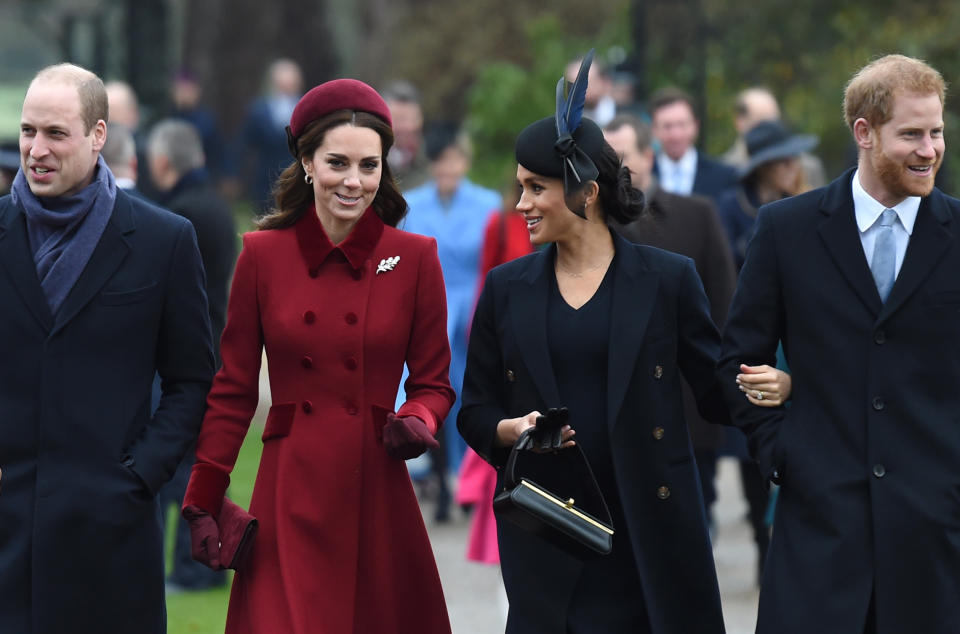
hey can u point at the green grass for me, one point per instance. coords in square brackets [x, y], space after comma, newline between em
[206, 612]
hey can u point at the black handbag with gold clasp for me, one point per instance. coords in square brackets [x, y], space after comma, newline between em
[537, 509]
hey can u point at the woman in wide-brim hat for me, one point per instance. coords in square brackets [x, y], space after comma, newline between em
[339, 299]
[773, 171]
[607, 329]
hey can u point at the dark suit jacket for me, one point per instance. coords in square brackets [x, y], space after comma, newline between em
[195, 198]
[82, 458]
[868, 454]
[712, 177]
[689, 225]
[660, 328]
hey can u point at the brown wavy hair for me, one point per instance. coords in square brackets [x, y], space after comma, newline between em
[291, 193]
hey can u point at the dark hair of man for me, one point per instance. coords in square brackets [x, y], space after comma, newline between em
[293, 195]
[620, 200]
[640, 129]
[669, 96]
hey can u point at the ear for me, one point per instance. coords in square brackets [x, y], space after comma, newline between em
[863, 134]
[591, 192]
[99, 132]
[307, 166]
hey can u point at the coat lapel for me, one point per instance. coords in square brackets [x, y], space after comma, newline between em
[528, 300]
[842, 238]
[111, 250]
[634, 295]
[929, 242]
[17, 260]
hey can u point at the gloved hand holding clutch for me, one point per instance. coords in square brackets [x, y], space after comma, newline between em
[406, 437]
[204, 537]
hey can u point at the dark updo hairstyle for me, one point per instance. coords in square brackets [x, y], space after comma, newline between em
[620, 200]
[539, 150]
[293, 195]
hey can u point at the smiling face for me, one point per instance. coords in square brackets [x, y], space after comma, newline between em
[543, 207]
[57, 155]
[901, 157]
[346, 171]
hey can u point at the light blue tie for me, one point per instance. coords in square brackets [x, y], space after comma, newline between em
[884, 263]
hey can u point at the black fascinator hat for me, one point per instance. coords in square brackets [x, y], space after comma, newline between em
[565, 145]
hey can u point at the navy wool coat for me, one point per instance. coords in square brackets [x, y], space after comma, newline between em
[660, 330]
[82, 458]
[868, 454]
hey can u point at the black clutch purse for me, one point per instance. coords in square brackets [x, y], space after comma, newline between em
[538, 510]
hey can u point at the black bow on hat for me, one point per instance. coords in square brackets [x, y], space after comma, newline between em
[562, 146]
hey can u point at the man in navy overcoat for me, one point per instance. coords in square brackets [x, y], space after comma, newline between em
[860, 280]
[98, 291]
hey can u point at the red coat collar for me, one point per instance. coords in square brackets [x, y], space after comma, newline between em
[315, 246]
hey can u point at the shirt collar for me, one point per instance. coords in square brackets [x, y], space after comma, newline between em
[687, 162]
[315, 246]
[867, 209]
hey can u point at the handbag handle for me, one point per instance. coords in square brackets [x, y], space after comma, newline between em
[525, 443]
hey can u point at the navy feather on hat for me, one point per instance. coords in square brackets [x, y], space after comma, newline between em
[565, 145]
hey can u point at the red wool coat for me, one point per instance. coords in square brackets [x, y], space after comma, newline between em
[341, 546]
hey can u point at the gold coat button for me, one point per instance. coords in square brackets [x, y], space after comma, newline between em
[658, 433]
[663, 493]
[658, 372]
[511, 376]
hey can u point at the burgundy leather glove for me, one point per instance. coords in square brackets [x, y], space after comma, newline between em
[406, 437]
[204, 537]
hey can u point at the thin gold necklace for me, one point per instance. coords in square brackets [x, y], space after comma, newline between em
[589, 269]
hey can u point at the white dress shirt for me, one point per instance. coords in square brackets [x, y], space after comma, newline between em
[868, 210]
[677, 177]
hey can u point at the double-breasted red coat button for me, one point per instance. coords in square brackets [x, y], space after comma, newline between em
[352, 409]
[306, 406]
[309, 317]
[306, 362]
[350, 363]
[350, 318]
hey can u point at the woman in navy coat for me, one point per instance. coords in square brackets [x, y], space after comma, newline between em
[605, 328]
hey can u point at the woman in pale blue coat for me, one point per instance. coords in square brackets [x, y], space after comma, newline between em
[455, 211]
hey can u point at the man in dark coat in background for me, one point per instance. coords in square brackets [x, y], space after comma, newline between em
[177, 167]
[100, 292]
[680, 167]
[859, 281]
[687, 225]
[178, 171]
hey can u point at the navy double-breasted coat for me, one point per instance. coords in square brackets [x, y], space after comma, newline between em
[660, 329]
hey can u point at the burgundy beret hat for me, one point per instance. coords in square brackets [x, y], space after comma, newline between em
[338, 94]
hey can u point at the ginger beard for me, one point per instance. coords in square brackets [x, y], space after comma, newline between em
[897, 177]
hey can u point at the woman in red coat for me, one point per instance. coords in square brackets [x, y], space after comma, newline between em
[339, 299]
